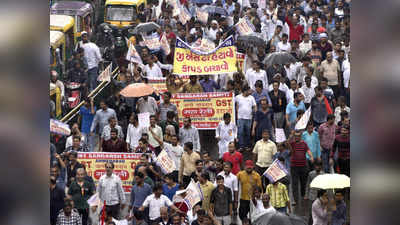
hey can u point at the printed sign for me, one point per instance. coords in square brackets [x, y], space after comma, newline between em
[105, 75]
[59, 127]
[152, 42]
[165, 162]
[160, 84]
[165, 45]
[202, 15]
[240, 57]
[132, 55]
[184, 15]
[245, 27]
[276, 171]
[205, 109]
[280, 135]
[193, 194]
[144, 119]
[124, 163]
[302, 123]
[189, 61]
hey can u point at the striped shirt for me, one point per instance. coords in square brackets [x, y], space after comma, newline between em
[298, 157]
[278, 195]
[342, 144]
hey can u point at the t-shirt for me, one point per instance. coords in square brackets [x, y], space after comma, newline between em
[236, 159]
[299, 154]
[87, 119]
[245, 106]
[291, 110]
[170, 192]
[155, 204]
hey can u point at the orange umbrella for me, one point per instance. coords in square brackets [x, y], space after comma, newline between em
[137, 90]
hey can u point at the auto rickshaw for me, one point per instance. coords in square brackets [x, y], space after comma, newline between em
[57, 51]
[64, 24]
[55, 96]
[123, 13]
[82, 12]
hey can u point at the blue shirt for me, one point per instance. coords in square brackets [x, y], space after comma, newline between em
[139, 194]
[87, 119]
[170, 192]
[61, 180]
[339, 215]
[291, 110]
[258, 97]
[312, 142]
[208, 86]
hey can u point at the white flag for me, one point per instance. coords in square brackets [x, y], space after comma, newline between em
[132, 55]
[105, 75]
[193, 194]
[302, 123]
[165, 45]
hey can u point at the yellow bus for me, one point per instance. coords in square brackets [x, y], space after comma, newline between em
[123, 13]
[57, 51]
[64, 24]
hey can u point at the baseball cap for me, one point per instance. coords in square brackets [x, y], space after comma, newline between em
[323, 35]
[249, 164]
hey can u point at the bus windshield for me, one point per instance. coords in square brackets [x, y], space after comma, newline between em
[120, 13]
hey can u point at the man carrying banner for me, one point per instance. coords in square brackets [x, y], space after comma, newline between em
[263, 153]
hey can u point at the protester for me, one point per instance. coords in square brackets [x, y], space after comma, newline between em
[225, 133]
[279, 196]
[263, 120]
[114, 144]
[327, 137]
[245, 106]
[189, 133]
[68, 215]
[234, 157]
[187, 165]
[221, 202]
[263, 153]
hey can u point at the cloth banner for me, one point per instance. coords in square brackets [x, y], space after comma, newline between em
[276, 171]
[124, 163]
[262, 4]
[205, 109]
[189, 61]
[302, 123]
[245, 27]
[105, 75]
[165, 162]
[165, 45]
[94, 200]
[193, 194]
[144, 119]
[280, 135]
[59, 127]
[132, 55]
[152, 42]
[202, 15]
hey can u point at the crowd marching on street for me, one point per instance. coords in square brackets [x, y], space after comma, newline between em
[290, 113]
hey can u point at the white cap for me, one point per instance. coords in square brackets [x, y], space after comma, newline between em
[323, 35]
[83, 32]
[214, 21]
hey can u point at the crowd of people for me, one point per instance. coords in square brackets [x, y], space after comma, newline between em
[234, 187]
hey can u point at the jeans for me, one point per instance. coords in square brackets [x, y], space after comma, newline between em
[113, 210]
[325, 159]
[93, 74]
[299, 173]
[279, 119]
[244, 129]
[282, 210]
[344, 166]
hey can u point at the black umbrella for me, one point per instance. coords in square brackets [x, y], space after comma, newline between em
[278, 218]
[279, 58]
[251, 40]
[145, 28]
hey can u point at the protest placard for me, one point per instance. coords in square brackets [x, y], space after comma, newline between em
[152, 42]
[165, 162]
[193, 194]
[202, 15]
[280, 135]
[244, 27]
[105, 75]
[302, 123]
[144, 119]
[132, 55]
[276, 171]
[165, 45]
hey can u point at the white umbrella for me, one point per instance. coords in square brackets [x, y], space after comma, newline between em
[331, 181]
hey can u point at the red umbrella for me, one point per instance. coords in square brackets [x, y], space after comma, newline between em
[137, 90]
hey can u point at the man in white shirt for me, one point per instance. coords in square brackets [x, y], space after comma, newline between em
[293, 89]
[134, 133]
[225, 133]
[93, 58]
[284, 45]
[256, 73]
[308, 91]
[245, 107]
[189, 133]
[147, 104]
[305, 45]
[155, 201]
[110, 190]
[155, 134]
[152, 69]
[282, 86]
